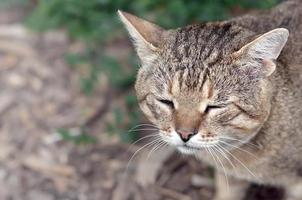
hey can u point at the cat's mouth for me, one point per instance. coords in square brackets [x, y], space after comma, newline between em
[192, 148]
[188, 149]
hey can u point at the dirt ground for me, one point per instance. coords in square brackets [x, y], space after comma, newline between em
[39, 94]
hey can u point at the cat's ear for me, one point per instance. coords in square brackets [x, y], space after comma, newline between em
[146, 36]
[265, 49]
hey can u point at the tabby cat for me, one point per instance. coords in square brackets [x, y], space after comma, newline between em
[229, 93]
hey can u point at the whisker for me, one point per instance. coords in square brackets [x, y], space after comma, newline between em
[164, 145]
[136, 152]
[143, 129]
[209, 151]
[161, 143]
[224, 170]
[243, 150]
[145, 137]
[238, 160]
[139, 125]
[226, 157]
[241, 141]
[154, 147]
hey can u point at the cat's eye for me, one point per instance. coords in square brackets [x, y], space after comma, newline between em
[211, 107]
[167, 102]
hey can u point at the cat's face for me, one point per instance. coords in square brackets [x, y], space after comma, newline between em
[204, 85]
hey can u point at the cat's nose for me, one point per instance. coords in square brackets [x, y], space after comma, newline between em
[186, 135]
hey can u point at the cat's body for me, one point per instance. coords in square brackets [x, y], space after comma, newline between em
[229, 65]
[279, 160]
[280, 138]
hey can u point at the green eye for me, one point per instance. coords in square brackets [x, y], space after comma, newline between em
[167, 102]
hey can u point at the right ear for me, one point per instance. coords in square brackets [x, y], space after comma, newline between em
[146, 36]
[264, 50]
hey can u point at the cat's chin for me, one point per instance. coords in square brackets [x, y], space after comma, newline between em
[188, 150]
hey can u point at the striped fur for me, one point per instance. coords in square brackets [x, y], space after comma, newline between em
[222, 80]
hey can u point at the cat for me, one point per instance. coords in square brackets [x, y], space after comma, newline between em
[229, 93]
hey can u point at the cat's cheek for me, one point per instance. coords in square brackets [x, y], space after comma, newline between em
[241, 127]
[171, 138]
[245, 123]
[156, 115]
[147, 112]
[238, 132]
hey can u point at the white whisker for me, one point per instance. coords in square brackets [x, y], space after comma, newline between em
[239, 149]
[145, 137]
[241, 141]
[226, 156]
[161, 144]
[143, 129]
[153, 148]
[224, 170]
[139, 125]
[238, 160]
[209, 151]
[136, 152]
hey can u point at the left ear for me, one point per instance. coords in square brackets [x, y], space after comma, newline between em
[147, 37]
[265, 49]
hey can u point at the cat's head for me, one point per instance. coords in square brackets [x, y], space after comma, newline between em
[205, 84]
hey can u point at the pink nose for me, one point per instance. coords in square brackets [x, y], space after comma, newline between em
[185, 135]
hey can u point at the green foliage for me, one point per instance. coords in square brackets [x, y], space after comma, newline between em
[124, 119]
[95, 20]
[119, 77]
[81, 138]
[96, 23]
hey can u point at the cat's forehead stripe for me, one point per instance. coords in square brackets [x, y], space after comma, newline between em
[189, 79]
[203, 43]
[195, 49]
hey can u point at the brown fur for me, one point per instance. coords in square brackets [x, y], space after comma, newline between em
[231, 66]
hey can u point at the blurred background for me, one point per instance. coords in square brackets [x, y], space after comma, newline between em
[68, 108]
